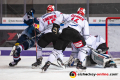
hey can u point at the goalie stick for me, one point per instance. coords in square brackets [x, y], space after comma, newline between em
[97, 50]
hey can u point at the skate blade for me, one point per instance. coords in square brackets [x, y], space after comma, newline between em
[113, 66]
[43, 71]
[64, 67]
[35, 67]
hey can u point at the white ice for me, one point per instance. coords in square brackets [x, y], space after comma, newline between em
[23, 71]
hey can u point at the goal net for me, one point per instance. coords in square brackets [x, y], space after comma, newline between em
[110, 31]
[112, 34]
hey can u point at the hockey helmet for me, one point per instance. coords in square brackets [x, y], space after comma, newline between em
[81, 11]
[50, 8]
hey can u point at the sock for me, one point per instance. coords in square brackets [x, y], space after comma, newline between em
[51, 58]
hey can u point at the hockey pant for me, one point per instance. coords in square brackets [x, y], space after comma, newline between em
[69, 35]
[47, 39]
[26, 44]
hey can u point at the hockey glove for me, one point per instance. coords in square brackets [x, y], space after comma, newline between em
[30, 12]
[55, 28]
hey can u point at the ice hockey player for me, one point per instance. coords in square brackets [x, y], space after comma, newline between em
[74, 24]
[49, 25]
[95, 52]
[24, 42]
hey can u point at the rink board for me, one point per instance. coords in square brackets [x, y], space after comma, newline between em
[47, 53]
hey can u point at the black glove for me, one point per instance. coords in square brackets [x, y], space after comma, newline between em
[31, 11]
[55, 28]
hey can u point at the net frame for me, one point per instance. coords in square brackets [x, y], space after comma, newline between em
[106, 28]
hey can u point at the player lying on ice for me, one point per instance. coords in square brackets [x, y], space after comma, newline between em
[95, 52]
[24, 42]
[74, 24]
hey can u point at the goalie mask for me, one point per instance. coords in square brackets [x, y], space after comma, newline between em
[50, 8]
[81, 11]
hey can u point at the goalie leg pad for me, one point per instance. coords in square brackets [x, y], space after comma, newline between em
[100, 59]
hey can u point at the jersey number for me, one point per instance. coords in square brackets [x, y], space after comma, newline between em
[75, 20]
[51, 21]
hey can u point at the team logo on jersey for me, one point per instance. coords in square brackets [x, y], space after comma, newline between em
[36, 26]
[72, 74]
[78, 44]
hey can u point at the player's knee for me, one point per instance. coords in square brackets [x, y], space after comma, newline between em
[28, 44]
[59, 45]
[16, 44]
[42, 43]
[56, 52]
[39, 48]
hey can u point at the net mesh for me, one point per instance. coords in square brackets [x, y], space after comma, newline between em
[113, 35]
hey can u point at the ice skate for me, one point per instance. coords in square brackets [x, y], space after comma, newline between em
[45, 67]
[38, 63]
[110, 64]
[80, 68]
[15, 62]
[60, 62]
[72, 63]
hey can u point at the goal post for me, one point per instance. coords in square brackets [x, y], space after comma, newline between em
[106, 28]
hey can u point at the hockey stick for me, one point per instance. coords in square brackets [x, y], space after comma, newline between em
[66, 63]
[35, 36]
[32, 38]
[56, 65]
[97, 50]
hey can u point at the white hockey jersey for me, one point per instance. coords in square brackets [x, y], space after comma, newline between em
[77, 22]
[92, 41]
[47, 20]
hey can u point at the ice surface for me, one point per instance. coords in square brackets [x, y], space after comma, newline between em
[23, 71]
